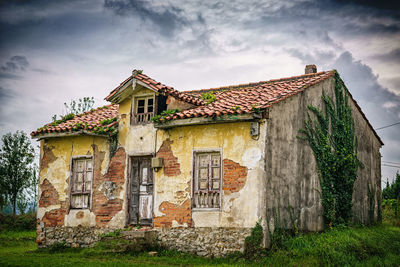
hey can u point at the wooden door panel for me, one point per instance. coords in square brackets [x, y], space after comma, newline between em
[141, 191]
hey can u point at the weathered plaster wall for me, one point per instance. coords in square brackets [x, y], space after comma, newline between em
[243, 197]
[107, 186]
[293, 188]
[370, 175]
[136, 139]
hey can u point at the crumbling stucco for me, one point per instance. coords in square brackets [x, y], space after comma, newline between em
[171, 164]
[177, 215]
[243, 203]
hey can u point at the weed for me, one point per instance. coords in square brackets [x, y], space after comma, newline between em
[160, 118]
[209, 97]
[253, 243]
[236, 108]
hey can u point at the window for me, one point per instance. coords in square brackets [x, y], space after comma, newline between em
[81, 183]
[207, 180]
[144, 110]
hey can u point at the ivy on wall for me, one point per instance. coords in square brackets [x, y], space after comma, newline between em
[330, 134]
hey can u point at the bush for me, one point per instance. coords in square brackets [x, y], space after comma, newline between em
[253, 243]
[25, 222]
[391, 211]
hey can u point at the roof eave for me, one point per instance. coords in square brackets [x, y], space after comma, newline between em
[210, 120]
[120, 95]
[41, 136]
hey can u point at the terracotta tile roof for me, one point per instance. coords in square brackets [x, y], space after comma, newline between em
[100, 120]
[138, 75]
[247, 98]
[157, 87]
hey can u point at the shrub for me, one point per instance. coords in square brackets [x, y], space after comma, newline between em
[253, 243]
[23, 222]
[391, 211]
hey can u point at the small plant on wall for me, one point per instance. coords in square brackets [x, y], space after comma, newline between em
[330, 134]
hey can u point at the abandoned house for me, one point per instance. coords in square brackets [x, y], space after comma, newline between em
[196, 168]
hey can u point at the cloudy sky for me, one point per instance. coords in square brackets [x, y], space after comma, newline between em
[55, 51]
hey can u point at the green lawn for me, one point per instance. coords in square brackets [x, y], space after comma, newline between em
[360, 246]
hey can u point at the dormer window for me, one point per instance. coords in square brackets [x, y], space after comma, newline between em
[143, 110]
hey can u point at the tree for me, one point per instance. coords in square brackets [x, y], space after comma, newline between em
[33, 188]
[80, 106]
[22, 202]
[16, 158]
[392, 190]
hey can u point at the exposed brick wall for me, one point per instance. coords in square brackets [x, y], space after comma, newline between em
[234, 176]
[55, 217]
[47, 157]
[49, 195]
[180, 213]
[171, 164]
[104, 208]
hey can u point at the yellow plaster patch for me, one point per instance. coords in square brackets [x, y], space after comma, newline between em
[241, 209]
[58, 171]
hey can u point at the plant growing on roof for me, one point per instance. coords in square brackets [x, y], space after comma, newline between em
[332, 139]
[209, 97]
[163, 115]
[63, 119]
[79, 106]
[255, 108]
[236, 108]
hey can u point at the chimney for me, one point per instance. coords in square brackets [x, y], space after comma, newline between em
[311, 69]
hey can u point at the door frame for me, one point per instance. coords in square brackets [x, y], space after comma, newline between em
[129, 180]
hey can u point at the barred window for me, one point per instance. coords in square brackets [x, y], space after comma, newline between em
[207, 180]
[81, 183]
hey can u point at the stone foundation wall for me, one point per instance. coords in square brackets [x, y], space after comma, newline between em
[203, 241]
[72, 236]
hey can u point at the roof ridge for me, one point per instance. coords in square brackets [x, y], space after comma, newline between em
[238, 86]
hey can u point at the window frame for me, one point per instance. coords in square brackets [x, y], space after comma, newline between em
[71, 182]
[196, 153]
[135, 107]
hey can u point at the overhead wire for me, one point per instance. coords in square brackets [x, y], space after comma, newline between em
[387, 126]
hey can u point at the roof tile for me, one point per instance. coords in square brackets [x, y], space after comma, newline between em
[88, 121]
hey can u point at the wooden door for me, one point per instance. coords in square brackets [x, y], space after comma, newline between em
[141, 192]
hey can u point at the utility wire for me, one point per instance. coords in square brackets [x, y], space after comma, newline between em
[391, 162]
[387, 126]
[386, 165]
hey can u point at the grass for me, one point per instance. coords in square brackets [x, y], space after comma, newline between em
[353, 246]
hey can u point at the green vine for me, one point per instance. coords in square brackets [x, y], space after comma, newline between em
[371, 203]
[163, 115]
[113, 141]
[209, 97]
[332, 139]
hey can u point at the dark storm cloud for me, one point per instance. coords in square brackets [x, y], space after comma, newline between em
[392, 56]
[310, 57]
[381, 106]
[167, 18]
[381, 4]
[333, 16]
[3, 94]
[44, 23]
[12, 67]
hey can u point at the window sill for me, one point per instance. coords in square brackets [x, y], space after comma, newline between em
[205, 209]
[79, 208]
